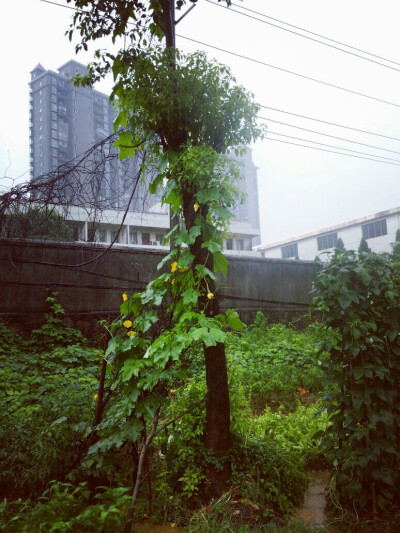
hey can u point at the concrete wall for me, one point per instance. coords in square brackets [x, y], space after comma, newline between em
[90, 290]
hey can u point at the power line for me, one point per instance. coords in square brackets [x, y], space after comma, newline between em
[279, 68]
[309, 78]
[59, 5]
[331, 151]
[330, 123]
[317, 34]
[328, 135]
[380, 157]
[301, 35]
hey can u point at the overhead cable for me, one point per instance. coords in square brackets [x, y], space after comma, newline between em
[331, 151]
[306, 36]
[328, 135]
[329, 123]
[380, 157]
[309, 78]
[301, 35]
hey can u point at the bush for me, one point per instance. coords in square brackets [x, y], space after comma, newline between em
[274, 362]
[64, 507]
[359, 296]
[46, 406]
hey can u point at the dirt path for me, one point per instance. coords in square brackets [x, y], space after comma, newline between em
[312, 511]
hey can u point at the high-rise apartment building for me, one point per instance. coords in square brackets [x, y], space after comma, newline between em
[65, 121]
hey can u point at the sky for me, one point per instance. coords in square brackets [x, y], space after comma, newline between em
[300, 189]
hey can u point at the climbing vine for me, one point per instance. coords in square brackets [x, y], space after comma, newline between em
[359, 296]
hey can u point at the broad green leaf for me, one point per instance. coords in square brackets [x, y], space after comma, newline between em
[220, 263]
[233, 320]
[130, 368]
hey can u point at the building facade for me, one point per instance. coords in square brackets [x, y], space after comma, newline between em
[379, 230]
[66, 121]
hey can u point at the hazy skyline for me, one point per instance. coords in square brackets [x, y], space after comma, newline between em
[300, 189]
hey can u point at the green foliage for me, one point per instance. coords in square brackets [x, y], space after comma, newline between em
[46, 400]
[36, 223]
[53, 332]
[359, 298]
[140, 22]
[64, 507]
[295, 432]
[262, 355]
[363, 247]
[268, 475]
[340, 245]
[198, 100]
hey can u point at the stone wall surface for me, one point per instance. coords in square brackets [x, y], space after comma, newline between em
[90, 280]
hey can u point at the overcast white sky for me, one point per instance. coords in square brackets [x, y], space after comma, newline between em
[300, 189]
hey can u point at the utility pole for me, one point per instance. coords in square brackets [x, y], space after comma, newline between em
[169, 32]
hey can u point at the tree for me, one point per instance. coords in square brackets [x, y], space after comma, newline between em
[37, 223]
[340, 245]
[188, 113]
[363, 247]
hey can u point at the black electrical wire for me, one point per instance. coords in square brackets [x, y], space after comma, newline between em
[380, 158]
[281, 69]
[280, 110]
[331, 151]
[317, 34]
[304, 36]
[328, 135]
[329, 123]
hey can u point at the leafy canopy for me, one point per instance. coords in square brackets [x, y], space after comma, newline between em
[197, 102]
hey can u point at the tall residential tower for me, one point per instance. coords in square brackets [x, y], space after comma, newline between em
[65, 120]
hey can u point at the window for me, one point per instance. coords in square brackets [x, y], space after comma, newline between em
[327, 241]
[102, 235]
[229, 244]
[374, 229]
[113, 235]
[240, 244]
[145, 238]
[133, 237]
[290, 251]
[160, 238]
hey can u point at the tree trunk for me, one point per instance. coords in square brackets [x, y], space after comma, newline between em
[217, 428]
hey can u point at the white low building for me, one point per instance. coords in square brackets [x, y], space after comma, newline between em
[378, 229]
[147, 228]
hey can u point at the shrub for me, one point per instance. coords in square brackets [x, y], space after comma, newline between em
[64, 507]
[274, 362]
[359, 297]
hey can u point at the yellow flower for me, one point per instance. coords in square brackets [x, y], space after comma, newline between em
[210, 295]
[172, 391]
[173, 524]
[96, 397]
[145, 515]
[124, 297]
[196, 207]
[172, 281]
[174, 266]
[129, 333]
[127, 324]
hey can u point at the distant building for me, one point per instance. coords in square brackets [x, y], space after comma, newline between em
[378, 229]
[65, 121]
